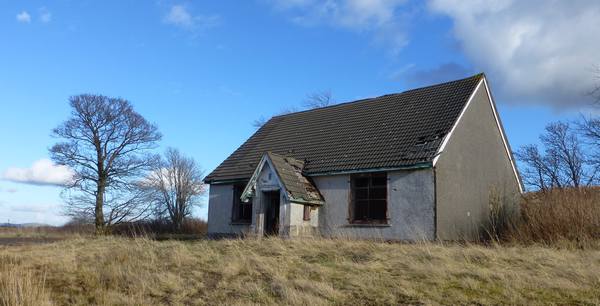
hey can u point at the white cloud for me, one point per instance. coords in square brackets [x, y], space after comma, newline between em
[181, 17]
[540, 51]
[45, 15]
[382, 18]
[24, 17]
[42, 172]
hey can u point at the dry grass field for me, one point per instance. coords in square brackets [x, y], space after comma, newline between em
[549, 254]
[128, 271]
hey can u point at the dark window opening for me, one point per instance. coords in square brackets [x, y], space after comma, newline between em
[242, 211]
[369, 198]
[306, 213]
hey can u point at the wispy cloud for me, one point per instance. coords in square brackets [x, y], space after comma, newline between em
[385, 20]
[45, 15]
[24, 17]
[181, 17]
[42, 172]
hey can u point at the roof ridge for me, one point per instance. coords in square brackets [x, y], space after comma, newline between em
[478, 75]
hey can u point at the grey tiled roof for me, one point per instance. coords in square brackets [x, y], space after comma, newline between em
[299, 187]
[390, 131]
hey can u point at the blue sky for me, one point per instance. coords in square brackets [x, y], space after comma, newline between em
[203, 71]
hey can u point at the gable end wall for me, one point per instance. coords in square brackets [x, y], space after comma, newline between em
[473, 166]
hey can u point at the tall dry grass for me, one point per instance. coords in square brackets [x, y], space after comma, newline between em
[22, 287]
[558, 217]
[562, 214]
[123, 271]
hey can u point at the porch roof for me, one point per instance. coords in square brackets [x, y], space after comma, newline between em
[298, 188]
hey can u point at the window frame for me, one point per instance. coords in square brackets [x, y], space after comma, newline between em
[238, 208]
[370, 188]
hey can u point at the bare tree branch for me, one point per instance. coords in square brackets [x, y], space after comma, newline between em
[318, 100]
[258, 123]
[312, 101]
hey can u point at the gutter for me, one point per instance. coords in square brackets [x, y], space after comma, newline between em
[223, 182]
[299, 201]
[423, 165]
[411, 167]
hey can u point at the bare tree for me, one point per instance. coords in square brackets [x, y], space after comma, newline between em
[563, 163]
[318, 99]
[258, 123]
[535, 173]
[107, 144]
[175, 186]
[563, 143]
[312, 101]
[590, 130]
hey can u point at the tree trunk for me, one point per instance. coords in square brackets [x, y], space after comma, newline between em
[98, 213]
[177, 223]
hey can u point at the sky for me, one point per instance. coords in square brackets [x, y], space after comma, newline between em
[204, 71]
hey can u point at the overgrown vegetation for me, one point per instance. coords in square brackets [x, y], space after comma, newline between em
[560, 214]
[544, 253]
[191, 228]
[121, 271]
[556, 217]
[22, 287]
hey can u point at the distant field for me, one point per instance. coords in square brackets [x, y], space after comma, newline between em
[123, 271]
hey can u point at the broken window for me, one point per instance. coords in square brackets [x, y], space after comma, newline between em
[306, 213]
[242, 211]
[369, 198]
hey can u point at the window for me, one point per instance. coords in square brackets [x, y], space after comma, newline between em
[306, 213]
[242, 211]
[369, 198]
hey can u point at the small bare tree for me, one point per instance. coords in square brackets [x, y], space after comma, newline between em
[312, 101]
[563, 144]
[590, 130]
[106, 143]
[564, 163]
[318, 100]
[258, 123]
[174, 187]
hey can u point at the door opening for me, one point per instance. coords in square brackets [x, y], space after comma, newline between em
[271, 200]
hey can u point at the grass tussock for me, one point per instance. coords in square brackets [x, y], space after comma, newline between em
[123, 271]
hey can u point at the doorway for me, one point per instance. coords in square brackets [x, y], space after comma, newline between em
[271, 201]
